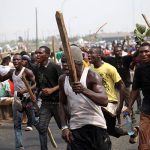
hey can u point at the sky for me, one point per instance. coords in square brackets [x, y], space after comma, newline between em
[81, 16]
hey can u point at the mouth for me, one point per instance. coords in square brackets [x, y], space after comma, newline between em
[15, 64]
[38, 59]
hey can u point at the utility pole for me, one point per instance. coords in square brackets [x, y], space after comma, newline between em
[36, 28]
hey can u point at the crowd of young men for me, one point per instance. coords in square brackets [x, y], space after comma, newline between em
[86, 110]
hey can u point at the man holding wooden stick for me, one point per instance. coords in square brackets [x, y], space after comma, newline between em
[21, 94]
[83, 123]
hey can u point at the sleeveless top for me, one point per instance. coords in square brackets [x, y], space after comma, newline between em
[83, 111]
[18, 83]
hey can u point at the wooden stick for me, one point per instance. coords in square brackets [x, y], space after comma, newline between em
[100, 28]
[51, 138]
[147, 22]
[53, 48]
[33, 98]
[66, 46]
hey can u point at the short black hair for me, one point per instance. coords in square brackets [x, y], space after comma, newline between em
[98, 48]
[23, 53]
[18, 54]
[5, 60]
[145, 44]
[47, 49]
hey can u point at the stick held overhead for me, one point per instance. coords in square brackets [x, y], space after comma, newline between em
[147, 22]
[66, 45]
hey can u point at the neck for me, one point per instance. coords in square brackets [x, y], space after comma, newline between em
[98, 64]
[44, 63]
[79, 73]
[19, 68]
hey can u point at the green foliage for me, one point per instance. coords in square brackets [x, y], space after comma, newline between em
[148, 32]
[141, 28]
[141, 32]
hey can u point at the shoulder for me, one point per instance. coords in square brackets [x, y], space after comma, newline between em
[127, 58]
[139, 68]
[62, 80]
[62, 77]
[108, 66]
[92, 76]
[28, 71]
[108, 59]
[53, 66]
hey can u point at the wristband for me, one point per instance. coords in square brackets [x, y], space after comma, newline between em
[64, 127]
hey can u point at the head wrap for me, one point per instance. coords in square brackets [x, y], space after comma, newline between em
[26, 57]
[76, 53]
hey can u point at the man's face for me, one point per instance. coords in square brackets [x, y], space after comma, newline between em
[24, 62]
[17, 61]
[65, 68]
[118, 51]
[41, 55]
[144, 53]
[137, 47]
[94, 56]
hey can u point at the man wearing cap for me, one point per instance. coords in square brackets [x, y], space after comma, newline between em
[82, 120]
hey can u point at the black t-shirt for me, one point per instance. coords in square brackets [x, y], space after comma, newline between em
[47, 77]
[141, 81]
[122, 64]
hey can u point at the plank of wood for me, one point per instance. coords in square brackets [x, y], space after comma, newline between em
[66, 45]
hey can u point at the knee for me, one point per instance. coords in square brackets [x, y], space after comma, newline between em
[42, 129]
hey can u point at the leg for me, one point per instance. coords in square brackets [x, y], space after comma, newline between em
[90, 137]
[102, 140]
[55, 112]
[44, 119]
[30, 111]
[144, 132]
[24, 118]
[17, 116]
[81, 139]
[111, 126]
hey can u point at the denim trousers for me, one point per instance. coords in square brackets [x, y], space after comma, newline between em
[17, 117]
[47, 111]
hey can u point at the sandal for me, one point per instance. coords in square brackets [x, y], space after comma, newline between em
[133, 138]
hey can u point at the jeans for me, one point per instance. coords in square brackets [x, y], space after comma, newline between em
[17, 117]
[47, 111]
